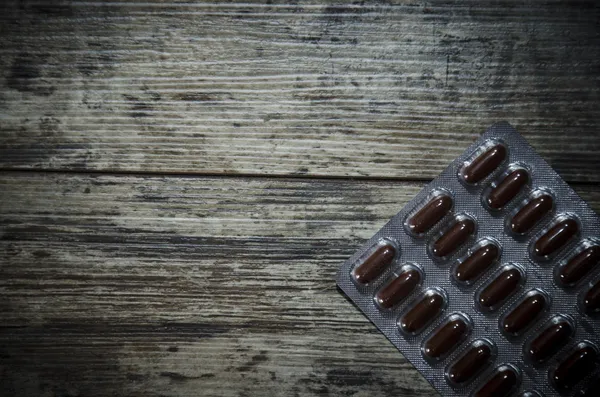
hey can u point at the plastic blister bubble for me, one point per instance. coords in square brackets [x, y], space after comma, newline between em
[531, 250]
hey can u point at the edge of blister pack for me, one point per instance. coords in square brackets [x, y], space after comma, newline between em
[459, 299]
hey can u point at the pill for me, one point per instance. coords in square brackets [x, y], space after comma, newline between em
[524, 314]
[430, 214]
[508, 189]
[549, 341]
[477, 263]
[591, 299]
[446, 338]
[501, 384]
[531, 214]
[575, 367]
[579, 266]
[398, 289]
[503, 286]
[421, 314]
[475, 360]
[484, 164]
[375, 264]
[453, 238]
[556, 238]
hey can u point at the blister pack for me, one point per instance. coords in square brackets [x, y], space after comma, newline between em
[488, 281]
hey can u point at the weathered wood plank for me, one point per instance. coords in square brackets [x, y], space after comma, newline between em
[166, 286]
[386, 89]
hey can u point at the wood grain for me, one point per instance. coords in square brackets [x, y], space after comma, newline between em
[155, 286]
[383, 89]
[203, 274]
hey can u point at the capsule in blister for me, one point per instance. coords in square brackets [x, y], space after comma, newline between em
[404, 282]
[537, 206]
[578, 266]
[481, 257]
[422, 312]
[437, 206]
[525, 313]
[453, 237]
[590, 300]
[478, 356]
[504, 381]
[375, 264]
[502, 286]
[446, 337]
[576, 366]
[507, 188]
[481, 164]
[562, 231]
[552, 337]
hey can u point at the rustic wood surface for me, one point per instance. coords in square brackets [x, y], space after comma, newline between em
[380, 89]
[168, 285]
[180, 182]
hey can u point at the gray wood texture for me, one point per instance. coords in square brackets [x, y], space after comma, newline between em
[172, 285]
[157, 285]
[390, 89]
[179, 182]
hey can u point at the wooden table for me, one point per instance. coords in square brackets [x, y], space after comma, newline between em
[180, 182]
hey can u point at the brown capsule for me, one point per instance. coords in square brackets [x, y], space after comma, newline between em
[550, 341]
[501, 384]
[556, 238]
[477, 263]
[579, 266]
[453, 238]
[508, 189]
[575, 368]
[500, 289]
[375, 264]
[484, 164]
[531, 214]
[524, 314]
[446, 338]
[430, 214]
[398, 289]
[470, 364]
[591, 299]
[420, 315]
